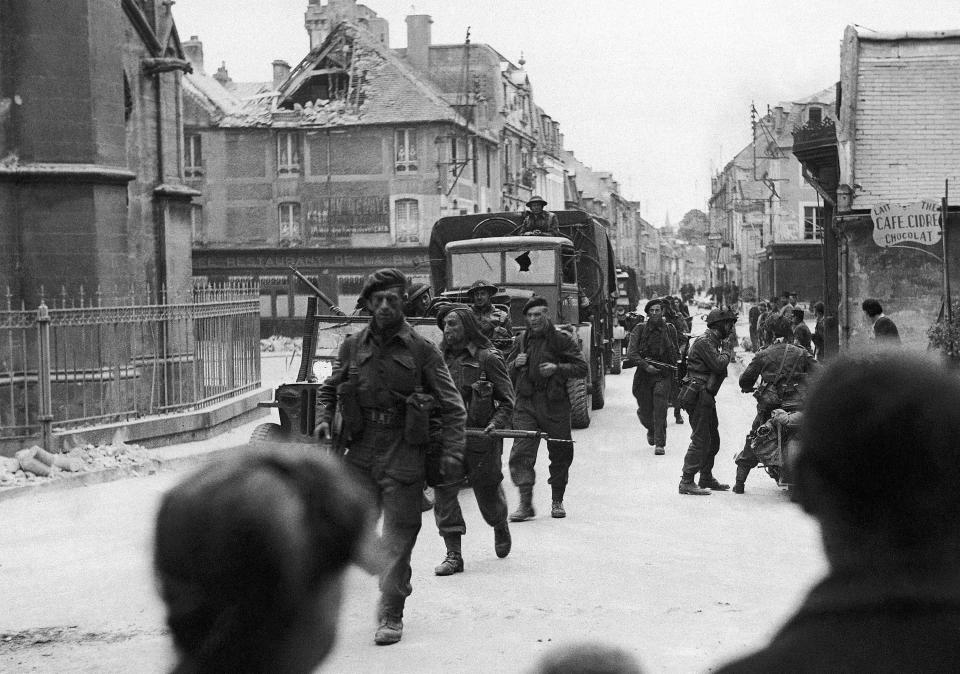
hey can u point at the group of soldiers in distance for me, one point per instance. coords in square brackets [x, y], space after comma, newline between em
[673, 371]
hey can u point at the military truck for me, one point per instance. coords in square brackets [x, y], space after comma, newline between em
[576, 273]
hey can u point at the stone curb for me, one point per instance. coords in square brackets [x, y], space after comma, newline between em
[89, 478]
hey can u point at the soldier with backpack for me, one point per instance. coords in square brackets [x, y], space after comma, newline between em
[782, 369]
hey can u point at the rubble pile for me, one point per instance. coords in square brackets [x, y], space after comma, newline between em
[277, 343]
[34, 464]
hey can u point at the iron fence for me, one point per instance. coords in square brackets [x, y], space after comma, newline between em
[108, 357]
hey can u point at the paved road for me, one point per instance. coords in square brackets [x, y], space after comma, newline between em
[683, 582]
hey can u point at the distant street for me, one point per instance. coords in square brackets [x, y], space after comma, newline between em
[682, 582]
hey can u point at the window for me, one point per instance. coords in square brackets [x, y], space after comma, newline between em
[812, 223]
[406, 154]
[508, 161]
[193, 159]
[815, 116]
[288, 152]
[289, 217]
[408, 220]
[454, 169]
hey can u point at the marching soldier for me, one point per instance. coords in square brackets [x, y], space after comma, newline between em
[707, 364]
[782, 368]
[480, 375]
[387, 379]
[653, 347]
[674, 313]
[540, 363]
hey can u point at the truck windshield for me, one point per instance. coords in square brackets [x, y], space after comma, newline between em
[465, 268]
[532, 266]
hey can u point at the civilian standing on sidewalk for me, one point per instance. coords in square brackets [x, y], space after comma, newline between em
[479, 373]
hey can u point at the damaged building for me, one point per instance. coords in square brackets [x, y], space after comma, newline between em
[338, 166]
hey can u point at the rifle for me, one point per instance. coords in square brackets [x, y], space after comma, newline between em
[500, 433]
[511, 433]
[657, 363]
[334, 309]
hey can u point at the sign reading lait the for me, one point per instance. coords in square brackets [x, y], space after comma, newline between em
[897, 224]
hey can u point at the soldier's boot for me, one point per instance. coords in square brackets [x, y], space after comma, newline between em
[650, 439]
[688, 488]
[742, 473]
[677, 416]
[525, 510]
[390, 620]
[659, 450]
[502, 542]
[453, 563]
[712, 483]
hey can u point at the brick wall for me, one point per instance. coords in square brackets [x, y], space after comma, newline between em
[907, 125]
[246, 153]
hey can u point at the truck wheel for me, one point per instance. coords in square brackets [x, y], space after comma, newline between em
[616, 357]
[599, 384]
[267, 434]
[579, 405]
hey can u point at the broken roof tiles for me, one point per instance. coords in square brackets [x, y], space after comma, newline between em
[381, 89]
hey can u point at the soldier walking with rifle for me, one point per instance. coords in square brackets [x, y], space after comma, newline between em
[653, 347]
[387, 380]
[707, 363]
[540, 363]
[480, 375]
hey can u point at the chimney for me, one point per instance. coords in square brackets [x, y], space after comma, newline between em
[779, 117]
[193, 48]
[281, 71]
[221, 75]
[418, 40]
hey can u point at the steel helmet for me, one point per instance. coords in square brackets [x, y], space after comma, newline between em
[720, 315]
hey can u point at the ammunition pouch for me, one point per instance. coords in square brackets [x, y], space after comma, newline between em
[689, 393]
[480, 410]
[416, 427]
[350, 410]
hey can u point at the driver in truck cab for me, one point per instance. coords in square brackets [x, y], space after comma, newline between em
[538, 221]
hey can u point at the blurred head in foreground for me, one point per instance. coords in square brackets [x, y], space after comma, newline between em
[249, 556]
[879, 458]
[587, 658]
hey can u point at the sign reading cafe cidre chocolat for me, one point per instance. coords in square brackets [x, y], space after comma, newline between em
[897, 224]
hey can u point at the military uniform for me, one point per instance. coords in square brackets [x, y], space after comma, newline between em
[544, 221]
[483, 455]
[706, 365]
[782, 368]
[391, 365]
[653, 392]
[543, 404]
[494, 323]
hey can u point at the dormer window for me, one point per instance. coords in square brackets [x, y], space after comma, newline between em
[815, 116]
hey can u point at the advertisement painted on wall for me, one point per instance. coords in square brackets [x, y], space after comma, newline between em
[341, 217]
[905, 224]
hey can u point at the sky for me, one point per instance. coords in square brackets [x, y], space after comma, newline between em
[658, 93]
